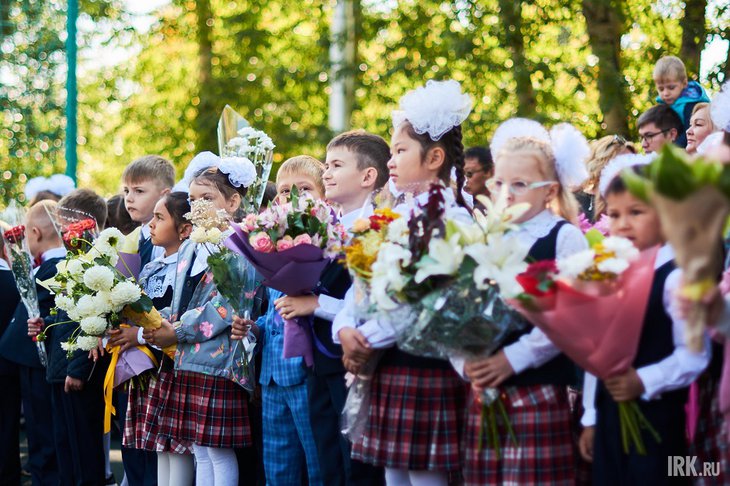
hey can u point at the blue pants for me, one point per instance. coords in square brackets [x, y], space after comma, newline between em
[288, 440]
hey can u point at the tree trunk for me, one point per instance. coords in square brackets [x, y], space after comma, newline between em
[604, 25]
[694, 35]
[510, 12]
[205, 121]
[343, 56]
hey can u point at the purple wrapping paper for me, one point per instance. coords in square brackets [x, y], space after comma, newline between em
[129, 262]
[131, 363]
[294, 272]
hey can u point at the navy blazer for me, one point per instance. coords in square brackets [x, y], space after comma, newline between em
[334, 281]
[10, 299]
[15, 345]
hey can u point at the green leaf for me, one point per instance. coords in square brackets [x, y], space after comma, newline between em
[637, 185]
[594, 237]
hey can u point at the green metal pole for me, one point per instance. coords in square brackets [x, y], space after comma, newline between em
[71, 156]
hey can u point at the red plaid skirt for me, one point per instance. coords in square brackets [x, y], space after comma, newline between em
[415, 420]
[206, 410]
[544, 454]
[145, 413]
[710, 443]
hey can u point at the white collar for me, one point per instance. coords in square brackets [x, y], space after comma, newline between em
[349, 219]
[167, 259]
[58, 252]
[4, 265]
[539, 225]
[145, 230]
[664, 255]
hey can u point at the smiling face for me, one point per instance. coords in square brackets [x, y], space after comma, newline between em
[140, 198]
[344, 183]
[631, 218]
[700, 126]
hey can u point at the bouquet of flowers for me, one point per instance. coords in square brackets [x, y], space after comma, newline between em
[237, 139]
[234, 278]
[290, 243]
[21, 264]
[692, 197]
[609, 285]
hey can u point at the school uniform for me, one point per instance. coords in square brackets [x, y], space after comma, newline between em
[140, 241]
[326, 381]
[536, 396]
[157, 279]
[288, 439]
[10, 398]
[666, 368]
[17, 347]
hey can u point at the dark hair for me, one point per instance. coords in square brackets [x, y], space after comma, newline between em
[86, 201]
[454, 148]
[482, 155]
[370, 151]
[212, 176]
[150, 168]
[269, 194]
[663, 116]
[177, 205]
[117, 215]
[617, 184]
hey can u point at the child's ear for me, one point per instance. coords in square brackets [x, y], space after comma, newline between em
[185, 231]
[234, 203]
[672, 134]
[369, 177]
[552, 193]
[165, 192]
[435, 158]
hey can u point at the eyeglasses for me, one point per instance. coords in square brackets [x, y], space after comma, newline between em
[517, 188]
[472, 173]
[618, 140]
[647, 137]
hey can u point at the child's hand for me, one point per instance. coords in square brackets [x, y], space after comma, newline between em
[488, 372]
[625, 387]
[354, 345]
[291, 307]
[124, 337]
[351, 365]
[98, 351]
[35, 326]
[73, 384]
[585, 443]
[163, 336]
[712, 300]
[240, 327]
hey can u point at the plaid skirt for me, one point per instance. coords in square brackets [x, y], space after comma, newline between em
[544, 453]
[710, 443]
[415, 420]
[145, 413]
[206, 410]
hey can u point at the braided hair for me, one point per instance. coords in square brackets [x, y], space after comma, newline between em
[452, 145]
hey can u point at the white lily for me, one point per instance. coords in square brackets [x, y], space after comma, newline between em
[444, 258]
[498, 217]
[501, 260]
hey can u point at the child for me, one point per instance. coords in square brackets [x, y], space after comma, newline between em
[19, 350]
[117, 215]
[670, 79]
[168, 229]
[530, 373]
[204, 406]
[662, 369]
[417, 404]
[145, 181]
[659, 125]
[10, 400]
[356, 165]
[77, 382]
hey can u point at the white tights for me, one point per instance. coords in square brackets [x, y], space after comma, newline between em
[219, 464]
[404, 477]
[175, 469]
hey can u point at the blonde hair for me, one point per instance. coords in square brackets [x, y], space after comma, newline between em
[150, 168]
[603, 151]
[565, 204]
[704, 106]
[670, 68]
[305, 165]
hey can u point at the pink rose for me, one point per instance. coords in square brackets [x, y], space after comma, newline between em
[261, 242]
[302, 240]
[285, 243]
[249, 223]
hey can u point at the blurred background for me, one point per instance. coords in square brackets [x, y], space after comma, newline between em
[153, 75]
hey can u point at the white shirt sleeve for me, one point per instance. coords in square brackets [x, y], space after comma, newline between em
[530, 351]
[570, 241]
[680, 368]
[328, 307]
[344, 317]
[589, 400]
[458, 362]
[378, 333]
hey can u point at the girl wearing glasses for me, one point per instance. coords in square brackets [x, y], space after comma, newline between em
[541, 169]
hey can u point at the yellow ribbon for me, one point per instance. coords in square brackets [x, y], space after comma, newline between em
[109, 408]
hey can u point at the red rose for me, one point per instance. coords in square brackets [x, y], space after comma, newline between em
[15, 234]
[538, 280]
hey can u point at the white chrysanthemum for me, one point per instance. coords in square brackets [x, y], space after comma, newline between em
[109, 241]
[214, 235]
[103, 303]
[99, 278]
[622, 248]
[87, 343]
[70, 287]
[86, 306]
[93, 326]
[125, 293]
[69, 346]
[613, 265]
[74, 314]
[398, 231]
[63, 302]
[75, 267]
[198, 235]
[574, 265]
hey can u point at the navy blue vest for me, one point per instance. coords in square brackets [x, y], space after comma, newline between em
[559, 370]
